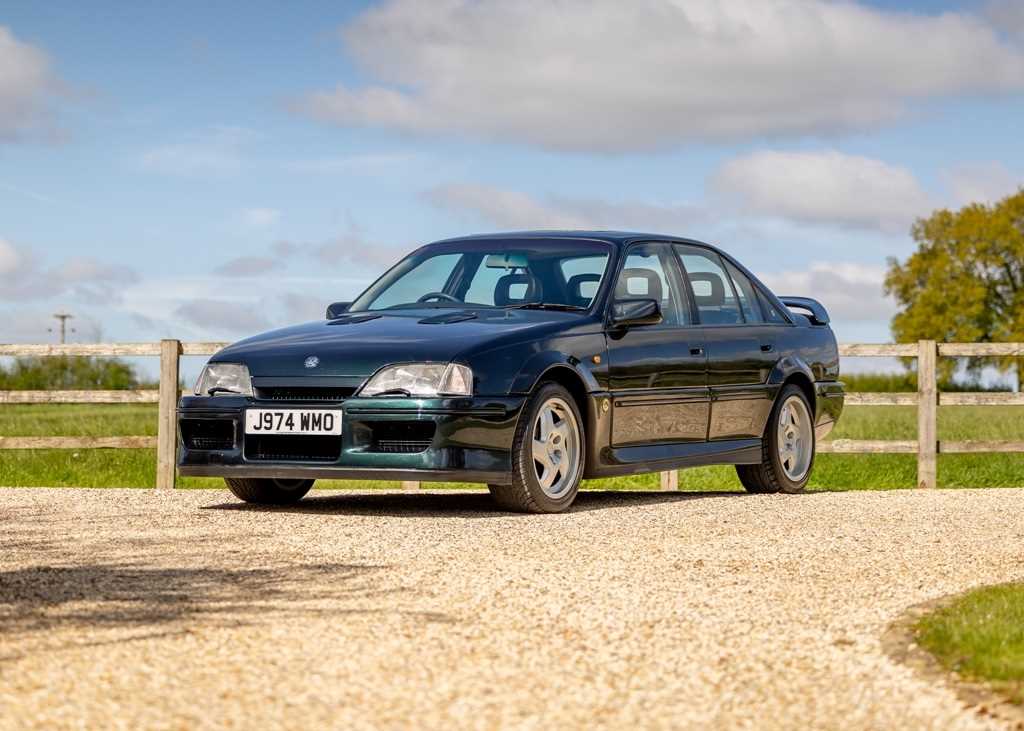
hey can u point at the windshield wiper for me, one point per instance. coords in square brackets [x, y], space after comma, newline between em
[546, 306]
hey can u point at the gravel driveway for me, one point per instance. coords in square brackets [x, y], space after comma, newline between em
[132, 609]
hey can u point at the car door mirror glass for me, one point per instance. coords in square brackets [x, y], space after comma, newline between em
[634, 312]
[337, 309]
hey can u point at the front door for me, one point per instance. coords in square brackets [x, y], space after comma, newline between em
[658, 373]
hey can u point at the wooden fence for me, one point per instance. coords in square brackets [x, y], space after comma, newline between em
[927, 399]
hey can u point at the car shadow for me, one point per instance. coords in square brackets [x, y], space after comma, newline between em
[458, 504]
[96, 599]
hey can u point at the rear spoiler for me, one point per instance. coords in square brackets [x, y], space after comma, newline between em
[816, 311]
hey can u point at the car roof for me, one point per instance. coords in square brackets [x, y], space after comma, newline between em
[616, 238]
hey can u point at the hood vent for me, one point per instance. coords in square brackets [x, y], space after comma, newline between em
[448, 317]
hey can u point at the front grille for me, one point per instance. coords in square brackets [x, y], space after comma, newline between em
[208, 434]
[401, 437]
[300, 393]
[291, 448]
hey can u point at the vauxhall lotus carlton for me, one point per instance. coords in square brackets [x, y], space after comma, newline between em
[527, 362]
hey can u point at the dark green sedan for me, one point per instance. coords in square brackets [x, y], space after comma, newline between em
[528, 362]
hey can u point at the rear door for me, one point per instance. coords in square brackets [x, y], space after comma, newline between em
[740, 347]
[658, 373]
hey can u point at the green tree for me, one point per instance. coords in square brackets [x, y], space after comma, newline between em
[74, 373]
[965, 282]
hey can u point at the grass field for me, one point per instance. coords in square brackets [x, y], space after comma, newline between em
[981, 636]
[136, 467]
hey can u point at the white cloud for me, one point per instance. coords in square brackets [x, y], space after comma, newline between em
[369, 163]
[1007, 15]
[26, 87]
[221, 316]
[302, 307]
[91, 281]
[217, 150]
[823, 188]
[849, 291]
[83, 279]
[349, 250]
[248, 266]
[606, 75]
[982, 182]
[9, 257]
[261, 217]
[504, 208]
[512, 209]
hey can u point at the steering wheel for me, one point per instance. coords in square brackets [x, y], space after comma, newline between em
[438, 296]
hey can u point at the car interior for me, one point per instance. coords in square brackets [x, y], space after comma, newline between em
[539, 280]
[714, 306]
[518, 288]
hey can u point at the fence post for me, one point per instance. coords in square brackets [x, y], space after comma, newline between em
[927, 411]
[669, 480]
[167, 420]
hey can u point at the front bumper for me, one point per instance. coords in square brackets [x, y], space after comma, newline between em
[470, 440]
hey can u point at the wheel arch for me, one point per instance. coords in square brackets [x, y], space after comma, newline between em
[571, 381]
[794, 370]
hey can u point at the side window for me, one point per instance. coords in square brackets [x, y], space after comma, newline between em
[645, 275]
[712, 287]
[745, 293]
[772, 313]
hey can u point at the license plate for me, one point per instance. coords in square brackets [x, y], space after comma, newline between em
[312, 422]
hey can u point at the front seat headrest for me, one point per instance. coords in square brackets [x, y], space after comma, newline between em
[629, 279]
[503, 289]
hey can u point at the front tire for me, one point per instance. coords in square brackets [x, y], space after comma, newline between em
[268, 492]
[548, 454]
[788, 449]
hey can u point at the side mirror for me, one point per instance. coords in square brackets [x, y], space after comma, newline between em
[630, 313]
[336, 310]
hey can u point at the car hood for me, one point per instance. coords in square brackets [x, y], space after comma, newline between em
[359, 344]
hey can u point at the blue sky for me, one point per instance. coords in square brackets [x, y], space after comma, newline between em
[208, 172]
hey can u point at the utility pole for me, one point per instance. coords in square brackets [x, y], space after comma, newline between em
[63, 317]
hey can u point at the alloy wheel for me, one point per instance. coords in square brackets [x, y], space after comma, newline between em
[795, 438]
[555, 447]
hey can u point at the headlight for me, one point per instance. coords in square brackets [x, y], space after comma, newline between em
[421, 379]
[224, 379]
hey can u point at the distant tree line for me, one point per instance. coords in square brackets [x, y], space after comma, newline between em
[68, 373]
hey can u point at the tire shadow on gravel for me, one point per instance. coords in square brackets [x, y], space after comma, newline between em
[97, 597]
[459, 504]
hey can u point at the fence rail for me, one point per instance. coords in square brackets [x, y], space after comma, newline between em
[927, 399]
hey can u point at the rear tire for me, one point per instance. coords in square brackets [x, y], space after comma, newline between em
[548, 454]
[268, 492]
[788, 447]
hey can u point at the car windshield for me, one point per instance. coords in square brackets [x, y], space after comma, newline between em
[528, 273]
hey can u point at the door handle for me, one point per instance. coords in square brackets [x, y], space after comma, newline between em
[767, 348]
[696, 351]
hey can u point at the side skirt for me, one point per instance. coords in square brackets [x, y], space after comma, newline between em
[661, 457]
